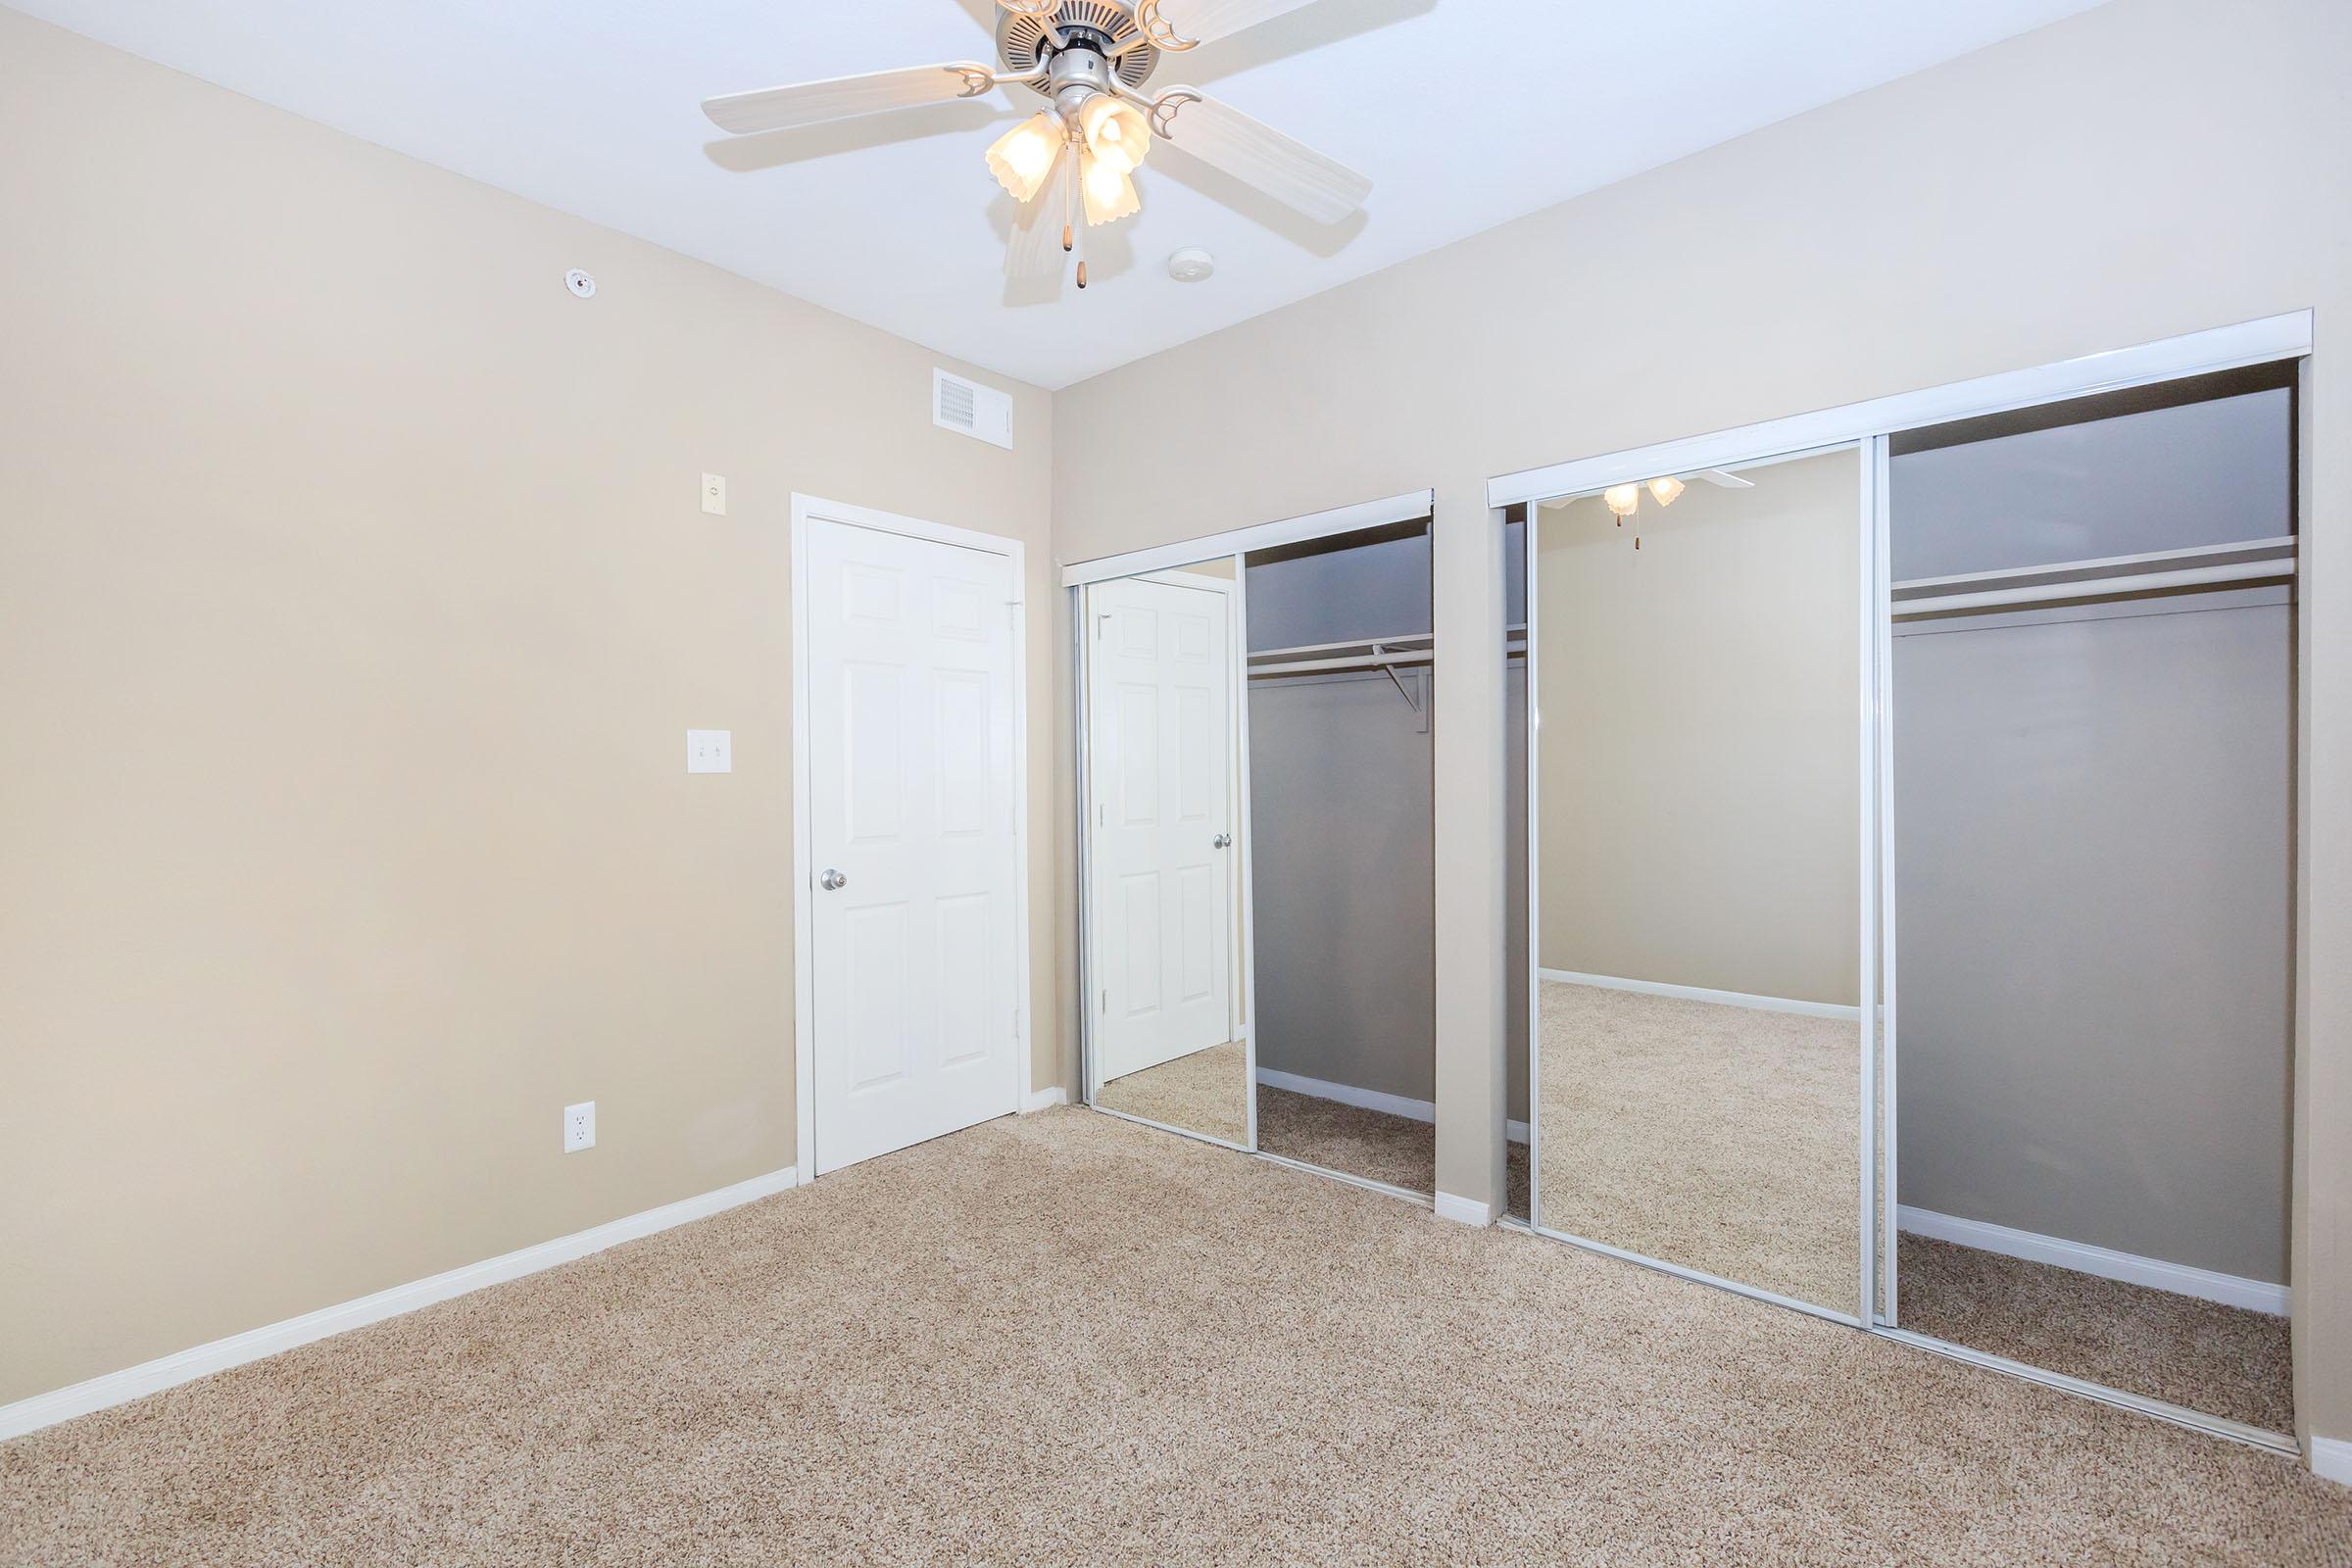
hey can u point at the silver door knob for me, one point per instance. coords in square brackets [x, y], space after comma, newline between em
[832, 881]
[1221, 841]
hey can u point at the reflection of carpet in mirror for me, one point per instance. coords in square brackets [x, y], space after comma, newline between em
[1201, 1093]
[1372, 1143]
[2223, 1360]
[1723, 1138]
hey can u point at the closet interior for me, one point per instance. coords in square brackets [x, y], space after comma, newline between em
[2091, 690]
[1343, 693]
[1257, 930]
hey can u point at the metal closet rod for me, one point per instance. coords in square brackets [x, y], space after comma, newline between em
[1381, 653]
[2244, 560]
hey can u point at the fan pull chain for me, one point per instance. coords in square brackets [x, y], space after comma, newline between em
[1069, 228]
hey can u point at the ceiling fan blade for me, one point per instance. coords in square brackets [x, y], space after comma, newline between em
[1034, 248]
[1258, 155]
[1728, 481]
[812, 103]
[1177, 24]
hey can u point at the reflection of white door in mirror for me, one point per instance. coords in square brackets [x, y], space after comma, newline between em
[1160, 679]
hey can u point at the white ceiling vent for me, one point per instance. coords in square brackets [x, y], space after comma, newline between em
[971, 408]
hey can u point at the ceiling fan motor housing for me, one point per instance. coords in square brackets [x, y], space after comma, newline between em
[1092, 32]
[1074, 75]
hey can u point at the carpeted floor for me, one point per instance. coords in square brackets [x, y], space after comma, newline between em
[2223, 1360]
[1067, 1339]
[1206, 1092]
[1724, 1139]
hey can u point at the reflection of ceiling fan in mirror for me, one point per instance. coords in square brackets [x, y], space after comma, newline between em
[1624, 500]
[1088, 60]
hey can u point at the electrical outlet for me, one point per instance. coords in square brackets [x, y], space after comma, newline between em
[710, 750]
[579, 1126]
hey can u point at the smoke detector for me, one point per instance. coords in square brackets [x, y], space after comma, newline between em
[1190, 264]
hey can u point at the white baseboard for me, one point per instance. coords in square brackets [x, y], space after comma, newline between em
[1043, 1097]
[1464, 1210]
[2231, 1289]
[1727, 999]
[185, 1366]
[1421, 1110]
[2331, 1459]
[1348, 1095]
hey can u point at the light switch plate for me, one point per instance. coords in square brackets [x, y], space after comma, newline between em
[714, 494]
[710, 750]
[579, 1126]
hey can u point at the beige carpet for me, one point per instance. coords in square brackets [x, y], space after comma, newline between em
[1068, 1338]
[1724, 1139]
[2223, 1360]
[1203, 1093]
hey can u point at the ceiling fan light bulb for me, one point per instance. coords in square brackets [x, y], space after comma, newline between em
[1022, 159]
[1666, 490]
[1622, 498]
[1109, 191]
[1115, 132]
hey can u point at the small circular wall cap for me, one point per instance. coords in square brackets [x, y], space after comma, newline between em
[1190, 264]
[580, 283]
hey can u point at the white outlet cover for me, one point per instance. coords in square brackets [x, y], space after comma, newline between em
[710, 750]
[579, 1126]
[714, 494]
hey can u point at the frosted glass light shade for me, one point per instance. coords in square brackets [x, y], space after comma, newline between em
[1108, 190]
[1023, 157]
[1666, 490]
[1115, 132]
[1622, 498]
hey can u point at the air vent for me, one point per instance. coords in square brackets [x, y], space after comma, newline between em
[970, 408]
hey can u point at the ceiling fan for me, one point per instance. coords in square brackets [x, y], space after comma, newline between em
[1078, 156]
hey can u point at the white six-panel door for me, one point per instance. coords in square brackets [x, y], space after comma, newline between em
[911, 831]
[1160, 669]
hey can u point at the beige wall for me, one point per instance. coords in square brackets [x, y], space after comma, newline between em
[2147, 168]
[1700, 818]
[354, 601]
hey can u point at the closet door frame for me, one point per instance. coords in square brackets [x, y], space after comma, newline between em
[1076, 577]
[1733, 449]
[2288, 336]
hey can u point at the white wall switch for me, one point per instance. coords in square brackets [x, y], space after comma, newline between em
[579, 1126]
[710, 750]
[714, 494]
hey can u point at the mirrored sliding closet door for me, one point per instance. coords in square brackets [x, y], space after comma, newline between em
[1257, 932]
[1162, 759]
[1696, 783]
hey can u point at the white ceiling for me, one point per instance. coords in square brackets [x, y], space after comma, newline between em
[1465, 113]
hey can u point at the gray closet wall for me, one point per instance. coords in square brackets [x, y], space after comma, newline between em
[2091, 839]
[1339, 804]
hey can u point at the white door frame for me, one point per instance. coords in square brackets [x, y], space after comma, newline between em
[805, 510]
